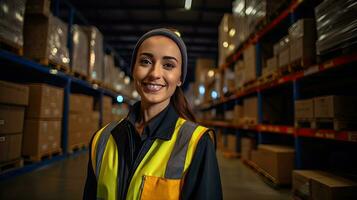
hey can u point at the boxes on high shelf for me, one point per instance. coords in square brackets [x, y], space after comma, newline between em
[271, 66]
[302, 36]
[45, 39]
[228, 81]
[45, 102]
[108, 68]
[315, 185]
[336, 107]
[247, 145]
[80, 56]
[284, 52]
[96, 53]
[38, 7]
[202, 67]
[41, 136]
[229, 115]
[249, 57]
[231, 142]
[278, 162]
[11, 22]
[304, 109]
[250, 110]
[239, 74]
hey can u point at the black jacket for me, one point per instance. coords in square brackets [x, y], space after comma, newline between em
[202, 179]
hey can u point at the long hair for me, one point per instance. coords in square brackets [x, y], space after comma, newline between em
[181, 105]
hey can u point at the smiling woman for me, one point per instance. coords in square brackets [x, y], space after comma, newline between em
[157, 151]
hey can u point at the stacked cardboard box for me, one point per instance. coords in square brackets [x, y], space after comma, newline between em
[250, 110]
[271, 66]
[239, 74]
[304, 111]
[109, 67]
[231, 143]
[83, 120]
[11, 22]
[238, 115]
[96, 53]
[42, 133]
[284, 52]
[38, 7]
[45, 39]
[250, 65]
[315, 185]
[247, 145]
[275, 160]
[13, 99]
[80, 56]
[228, 82]
[302, 36]
[106, 109]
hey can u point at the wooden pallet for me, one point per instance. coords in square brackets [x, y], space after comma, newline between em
[54, 65]
[10, 165]
[76, 147]
[97, 82]
[79, 75]
[43, 156]
[250, 84]
[11, 46]
[285, 70]
[266, 177]
[267, 78]
[300, 64]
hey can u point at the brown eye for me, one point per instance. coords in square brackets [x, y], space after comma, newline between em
[145, 61]
[169, 65]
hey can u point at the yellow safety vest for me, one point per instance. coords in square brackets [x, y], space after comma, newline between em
[160, 175]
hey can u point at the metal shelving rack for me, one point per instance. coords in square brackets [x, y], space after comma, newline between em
[264, 133]
[19, 69]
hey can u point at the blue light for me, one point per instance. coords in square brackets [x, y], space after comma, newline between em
[120, 99]
[201, 89]
[214, 94]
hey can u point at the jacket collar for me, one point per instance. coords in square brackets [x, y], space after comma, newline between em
[161, 126]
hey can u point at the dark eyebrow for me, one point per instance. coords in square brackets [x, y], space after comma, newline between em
[147, 54]
[169, 58]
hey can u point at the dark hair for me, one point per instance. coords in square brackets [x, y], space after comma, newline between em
[181, 105]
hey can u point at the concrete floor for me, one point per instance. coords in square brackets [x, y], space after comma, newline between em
[65, 180]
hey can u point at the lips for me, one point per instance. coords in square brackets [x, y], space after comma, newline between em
[152, 87]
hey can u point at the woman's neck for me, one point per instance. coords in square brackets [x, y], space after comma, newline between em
[149, 111]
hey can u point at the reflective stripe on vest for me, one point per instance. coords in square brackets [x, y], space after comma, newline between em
[160, 174]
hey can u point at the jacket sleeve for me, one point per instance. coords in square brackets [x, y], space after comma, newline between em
[90, 188]
[203, 180]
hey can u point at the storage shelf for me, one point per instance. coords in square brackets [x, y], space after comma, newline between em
[259, 34]
[312, 70]
[348, 136]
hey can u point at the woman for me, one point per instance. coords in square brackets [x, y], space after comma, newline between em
[156, 152]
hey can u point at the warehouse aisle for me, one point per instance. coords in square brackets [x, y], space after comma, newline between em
[65, 180]
[241, 183]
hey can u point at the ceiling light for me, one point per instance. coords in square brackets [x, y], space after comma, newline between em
[232, 32]
[188, 4]
[225, 44]
[210, 73]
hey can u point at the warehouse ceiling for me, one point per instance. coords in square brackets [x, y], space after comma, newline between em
[123, 22]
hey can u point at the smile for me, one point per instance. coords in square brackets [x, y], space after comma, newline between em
[152, 87]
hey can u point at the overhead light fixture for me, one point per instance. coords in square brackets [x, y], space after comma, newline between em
[188, 4]
[210, 73]
[120, 99]
[232, 32]
[225, 44]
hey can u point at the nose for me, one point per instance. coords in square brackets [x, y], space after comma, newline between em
[156, 70]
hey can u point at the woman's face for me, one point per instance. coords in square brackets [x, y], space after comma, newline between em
[157, 69]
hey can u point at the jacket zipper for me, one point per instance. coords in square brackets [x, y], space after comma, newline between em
[142, 186]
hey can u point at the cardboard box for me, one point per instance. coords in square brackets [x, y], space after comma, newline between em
[247, 145]
[10, 147]
[303, 38]
[316, 185]
[340, 107]
[238, 114]
[11, 119]
[76, 129]
[279, 162]
[284, 52]
[304, 109]
[45, 102]
[250, 108]
[41, 136]
[45, 39]
[250, 66]
[38, 7]
[80, 56]
[257, 157]
[232, 142]
[271, 67]
[16, 94]
[80, 103]
[239, 74]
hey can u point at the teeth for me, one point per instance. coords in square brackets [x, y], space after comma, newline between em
[154, 87]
